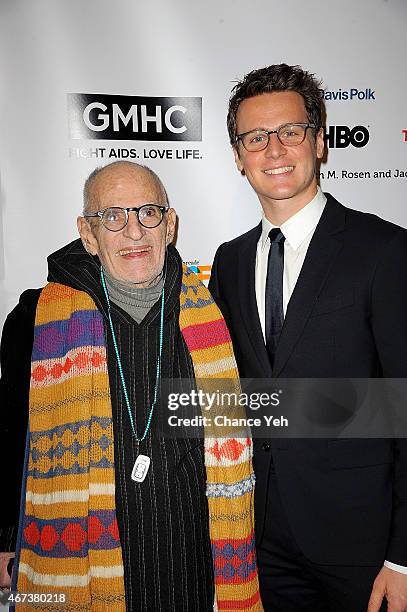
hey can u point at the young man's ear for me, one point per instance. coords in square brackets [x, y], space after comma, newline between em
[320, 143]
[238, 161]
[88, 239]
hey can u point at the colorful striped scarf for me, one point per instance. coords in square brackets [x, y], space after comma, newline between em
[69, 538]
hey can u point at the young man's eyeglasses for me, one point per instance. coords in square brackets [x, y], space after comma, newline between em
[116, 218]
[289, 134]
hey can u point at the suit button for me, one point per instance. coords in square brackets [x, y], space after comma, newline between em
[266, 446]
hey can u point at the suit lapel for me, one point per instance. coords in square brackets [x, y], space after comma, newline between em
[322, 251]
[247, 300]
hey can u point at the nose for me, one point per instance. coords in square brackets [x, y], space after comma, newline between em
[134, 230]
[274, 147]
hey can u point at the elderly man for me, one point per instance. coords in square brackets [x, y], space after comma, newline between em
[112, 514]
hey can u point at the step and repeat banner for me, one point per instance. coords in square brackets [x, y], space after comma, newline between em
[86, 83]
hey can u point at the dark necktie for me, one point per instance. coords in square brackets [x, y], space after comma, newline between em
[274, 292]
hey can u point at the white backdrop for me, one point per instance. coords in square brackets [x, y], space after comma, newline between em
[50, 48]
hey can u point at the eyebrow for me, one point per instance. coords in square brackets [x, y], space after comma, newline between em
[264, 129]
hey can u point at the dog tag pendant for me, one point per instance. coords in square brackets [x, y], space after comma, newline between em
[140, 468]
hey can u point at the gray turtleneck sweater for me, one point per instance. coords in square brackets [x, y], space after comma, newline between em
[132, 299]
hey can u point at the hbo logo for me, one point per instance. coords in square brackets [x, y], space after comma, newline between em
[341, 136]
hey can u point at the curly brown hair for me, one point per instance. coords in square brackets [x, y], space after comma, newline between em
[278, 77]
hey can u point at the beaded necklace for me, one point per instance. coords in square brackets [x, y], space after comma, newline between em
[142, 463]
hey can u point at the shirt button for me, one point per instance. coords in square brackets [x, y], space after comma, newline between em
[266, 446]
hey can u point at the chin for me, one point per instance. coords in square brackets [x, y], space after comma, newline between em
[281, 195]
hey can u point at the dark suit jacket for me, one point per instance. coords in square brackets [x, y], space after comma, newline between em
[346, 499]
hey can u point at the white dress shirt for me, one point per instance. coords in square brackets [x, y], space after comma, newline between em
[298, 231]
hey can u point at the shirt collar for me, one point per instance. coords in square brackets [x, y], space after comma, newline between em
[297, 227]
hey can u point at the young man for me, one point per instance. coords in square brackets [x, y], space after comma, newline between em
[315, 290]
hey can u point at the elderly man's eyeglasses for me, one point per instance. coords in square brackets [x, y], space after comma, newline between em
[289, 134]
[116, 218]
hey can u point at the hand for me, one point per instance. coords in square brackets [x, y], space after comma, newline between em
[393, 586]
[5, 578]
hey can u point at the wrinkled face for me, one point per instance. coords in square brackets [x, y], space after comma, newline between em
[135, 254]
[280, 175]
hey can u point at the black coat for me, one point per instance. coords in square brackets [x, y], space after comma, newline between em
[346, 500]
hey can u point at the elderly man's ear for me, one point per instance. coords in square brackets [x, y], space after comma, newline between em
[171, 222]
[88, 239]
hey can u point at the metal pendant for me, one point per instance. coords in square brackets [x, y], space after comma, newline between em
[140, 468]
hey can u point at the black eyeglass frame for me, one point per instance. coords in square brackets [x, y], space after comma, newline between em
[269, 132]
[128, 209]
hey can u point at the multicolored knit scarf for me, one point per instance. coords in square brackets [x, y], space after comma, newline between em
[69, 534]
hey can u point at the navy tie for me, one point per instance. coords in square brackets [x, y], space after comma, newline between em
[274, 292]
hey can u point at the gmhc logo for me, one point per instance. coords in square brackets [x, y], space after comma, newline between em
[114, 117]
